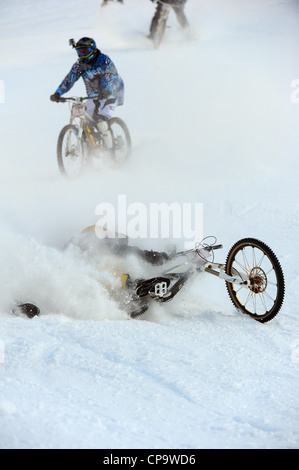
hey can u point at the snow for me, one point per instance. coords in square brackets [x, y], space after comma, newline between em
[214, 119]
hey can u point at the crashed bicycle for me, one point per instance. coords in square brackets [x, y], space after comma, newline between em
[252, 273]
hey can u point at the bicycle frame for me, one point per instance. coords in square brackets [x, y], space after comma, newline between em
[187, 264]
[85, 140]
[84, 119]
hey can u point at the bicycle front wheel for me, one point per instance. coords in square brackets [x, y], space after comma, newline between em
[121, 139]
[254, 261]
[159, 32]
[70, 152]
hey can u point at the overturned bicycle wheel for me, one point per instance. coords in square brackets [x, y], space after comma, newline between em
[254, 261]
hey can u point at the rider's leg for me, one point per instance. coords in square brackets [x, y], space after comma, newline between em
[150, 256]
[101, 112]
[104, 129]
[180, 14]
[90, 107]
[105, 111]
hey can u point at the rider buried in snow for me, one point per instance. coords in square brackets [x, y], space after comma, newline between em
[117, 244]
[103, 83]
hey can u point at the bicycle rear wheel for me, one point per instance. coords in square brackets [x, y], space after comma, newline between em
[70, 152]
[121, 139]
[253, 260]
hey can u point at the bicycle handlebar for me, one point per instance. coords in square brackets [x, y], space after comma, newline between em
[63, 100]
[212, 247]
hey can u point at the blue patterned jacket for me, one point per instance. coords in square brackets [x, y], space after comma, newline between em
[100, 77]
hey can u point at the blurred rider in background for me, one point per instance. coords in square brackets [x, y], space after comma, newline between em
[178, 7]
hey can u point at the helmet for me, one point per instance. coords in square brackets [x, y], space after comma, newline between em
[86, 49]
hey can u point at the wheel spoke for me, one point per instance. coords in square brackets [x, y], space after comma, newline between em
[261, 260]
[262, 298]
[241, 266]
[269, 297]
[247, 266]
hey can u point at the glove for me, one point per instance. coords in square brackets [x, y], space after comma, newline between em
[55, 97]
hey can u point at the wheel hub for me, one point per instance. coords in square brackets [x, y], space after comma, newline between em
[258, 280]
[72, 152]
[119, 143]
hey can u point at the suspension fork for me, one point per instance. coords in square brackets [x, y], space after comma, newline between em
[80, 132]
[79, 135]
[219, 270]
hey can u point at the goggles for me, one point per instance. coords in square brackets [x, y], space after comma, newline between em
[84, 51]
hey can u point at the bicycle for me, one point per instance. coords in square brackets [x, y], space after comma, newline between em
[252, 273]
[81, 141]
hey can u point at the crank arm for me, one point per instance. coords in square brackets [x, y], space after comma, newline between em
[219, 270]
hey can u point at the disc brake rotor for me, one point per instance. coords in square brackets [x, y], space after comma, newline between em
[258, 280]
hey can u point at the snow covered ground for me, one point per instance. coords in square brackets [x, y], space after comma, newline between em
[214, 119]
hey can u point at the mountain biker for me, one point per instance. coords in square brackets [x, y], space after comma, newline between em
[178, 7]
[103, 84]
